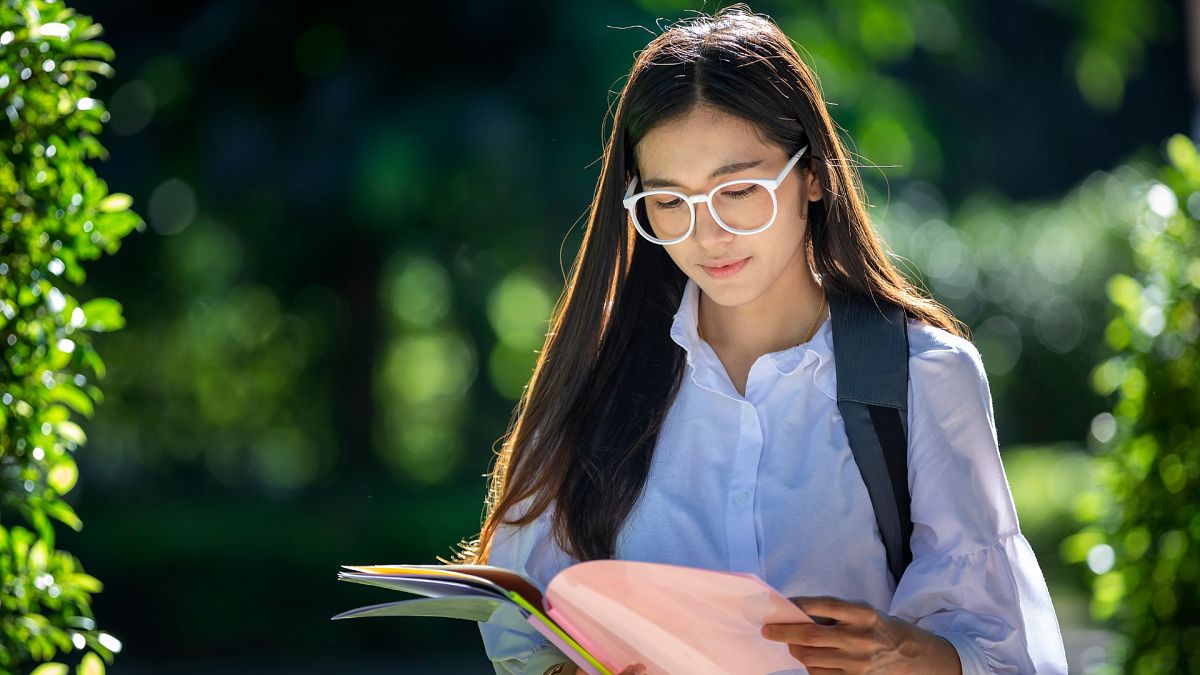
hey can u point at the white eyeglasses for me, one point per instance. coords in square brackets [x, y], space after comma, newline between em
[742, 206]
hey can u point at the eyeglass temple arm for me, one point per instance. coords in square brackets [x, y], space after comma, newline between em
[792, 162]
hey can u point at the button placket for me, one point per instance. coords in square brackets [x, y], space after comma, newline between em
[741, 530]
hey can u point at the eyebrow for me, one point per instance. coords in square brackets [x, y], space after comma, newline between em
[651, 183]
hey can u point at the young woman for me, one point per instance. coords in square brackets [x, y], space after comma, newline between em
[684, 407]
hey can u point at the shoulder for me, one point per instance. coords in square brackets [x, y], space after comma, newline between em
[936, 351]
[947, 379]
[924, 338]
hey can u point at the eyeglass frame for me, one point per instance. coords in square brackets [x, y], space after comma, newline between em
[771, 184]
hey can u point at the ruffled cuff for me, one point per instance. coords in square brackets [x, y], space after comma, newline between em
[535, 662]
[543, 658]
[993, 599]
[514, 646]
[970, 655]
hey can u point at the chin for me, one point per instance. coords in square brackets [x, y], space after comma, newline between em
[725, 293]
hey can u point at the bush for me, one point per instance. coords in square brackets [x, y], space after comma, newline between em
[54, 215]
[1143, 525]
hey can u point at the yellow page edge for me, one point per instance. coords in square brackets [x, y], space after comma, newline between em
[558, 631]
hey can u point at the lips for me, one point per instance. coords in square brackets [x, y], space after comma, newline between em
[727, 270]
[722, 263]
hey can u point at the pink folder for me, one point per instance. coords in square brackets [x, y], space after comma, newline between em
[671, 618]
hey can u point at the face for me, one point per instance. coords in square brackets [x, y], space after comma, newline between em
[686, 152]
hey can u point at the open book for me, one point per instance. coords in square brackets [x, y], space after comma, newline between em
[609, 614]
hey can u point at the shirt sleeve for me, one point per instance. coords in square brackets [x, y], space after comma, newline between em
[974, 579]
[512, 645]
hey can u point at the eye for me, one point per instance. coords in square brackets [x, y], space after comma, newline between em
[667, 205]
[744, 193]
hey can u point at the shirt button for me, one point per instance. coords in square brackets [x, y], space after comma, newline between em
[742, 497]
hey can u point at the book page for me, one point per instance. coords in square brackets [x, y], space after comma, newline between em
[427, 585]
[672, 618]
[503, 578]
[469, 608]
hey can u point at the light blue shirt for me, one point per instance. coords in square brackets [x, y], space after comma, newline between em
[766, 483]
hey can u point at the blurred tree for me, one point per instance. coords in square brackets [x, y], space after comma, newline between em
[1143, 522]
[54, 214]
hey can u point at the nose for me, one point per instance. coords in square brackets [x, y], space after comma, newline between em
[709, 234]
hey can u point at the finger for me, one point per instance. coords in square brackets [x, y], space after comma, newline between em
[815, 635]
[635, 669]
[819, 657]
[835, 608]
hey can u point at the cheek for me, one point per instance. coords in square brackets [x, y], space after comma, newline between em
[784, 235]
[793, 205]
[778, 247]
[678, 254]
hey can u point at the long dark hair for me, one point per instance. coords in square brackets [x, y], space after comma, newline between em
[582, 435]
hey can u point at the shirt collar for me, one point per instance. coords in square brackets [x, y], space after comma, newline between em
[816, 355]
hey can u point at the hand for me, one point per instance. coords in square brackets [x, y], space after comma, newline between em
[861, 639]
[635, 669]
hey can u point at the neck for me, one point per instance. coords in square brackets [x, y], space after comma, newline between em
[784, 316]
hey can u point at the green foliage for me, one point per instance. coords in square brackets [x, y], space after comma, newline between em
[54, 215]
[1110, 45]
[1143, 525]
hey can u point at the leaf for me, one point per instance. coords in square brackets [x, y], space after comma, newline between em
[83, 581]
[91, 359]
[93, 147]
[114, 226]
[63, 512]
[91, 665]
[63, 476]
[103, 314]
[117, 201]
[1182, 153]
[98, 67]
[72, 432]
[39, 554]
[94, 49]
[55, 413]
[59, 358]
[51, 669]
[72, 396]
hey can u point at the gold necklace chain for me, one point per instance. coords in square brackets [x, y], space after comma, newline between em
[812, 329]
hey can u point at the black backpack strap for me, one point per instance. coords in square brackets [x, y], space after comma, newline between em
[870, 343]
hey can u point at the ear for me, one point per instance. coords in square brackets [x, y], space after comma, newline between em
[814, 186]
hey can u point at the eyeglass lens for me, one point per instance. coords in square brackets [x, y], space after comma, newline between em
[741, 206]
